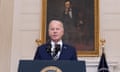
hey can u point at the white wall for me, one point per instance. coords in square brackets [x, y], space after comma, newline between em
[110, 27]
[26, 29]
[6, 21]
[27, 26]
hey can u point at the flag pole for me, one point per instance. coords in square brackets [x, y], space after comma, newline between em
[103, 66]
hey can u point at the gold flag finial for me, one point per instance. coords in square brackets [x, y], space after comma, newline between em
[102, 41]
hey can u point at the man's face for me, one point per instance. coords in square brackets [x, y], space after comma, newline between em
[56, 30]
[67, 4]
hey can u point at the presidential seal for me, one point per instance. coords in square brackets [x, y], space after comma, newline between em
[51, 69]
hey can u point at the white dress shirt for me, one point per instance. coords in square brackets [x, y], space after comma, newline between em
[70, 13]
[53, 46]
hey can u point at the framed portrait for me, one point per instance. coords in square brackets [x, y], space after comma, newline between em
[81, 23]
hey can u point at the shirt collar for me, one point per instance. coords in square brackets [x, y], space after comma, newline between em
[59, 42]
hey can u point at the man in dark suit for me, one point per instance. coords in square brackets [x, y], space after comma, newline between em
[70, 15]
[55, 49]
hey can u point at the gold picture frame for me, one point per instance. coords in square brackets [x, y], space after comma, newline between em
[90, 33]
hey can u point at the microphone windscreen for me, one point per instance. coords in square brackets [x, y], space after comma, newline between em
[57, 48]
[48, 49]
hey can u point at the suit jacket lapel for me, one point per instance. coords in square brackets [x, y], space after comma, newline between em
[63, 53]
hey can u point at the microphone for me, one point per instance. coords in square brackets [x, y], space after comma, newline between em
[56, 49]
[54, 52]
[48, 49]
